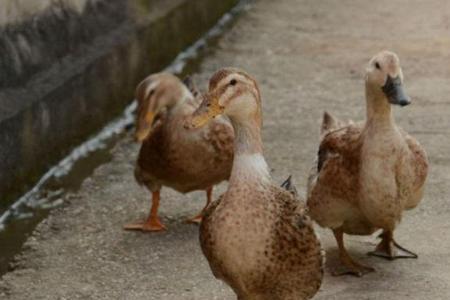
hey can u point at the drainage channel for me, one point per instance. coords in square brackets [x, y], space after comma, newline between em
[18, 221]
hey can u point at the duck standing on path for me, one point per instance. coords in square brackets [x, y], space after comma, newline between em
[172, 156]
[368, 173]
[257, 236]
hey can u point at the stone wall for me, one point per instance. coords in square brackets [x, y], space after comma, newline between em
[39, 33]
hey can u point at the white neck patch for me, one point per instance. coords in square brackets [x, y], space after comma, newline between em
[251, 166]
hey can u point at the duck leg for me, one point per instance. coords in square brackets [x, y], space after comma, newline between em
[389, 249]
[350, 267]
[153, 222]
[198, 218]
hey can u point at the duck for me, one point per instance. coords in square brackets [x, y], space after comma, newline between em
[257, 237]
[171, 156]
[368, 173]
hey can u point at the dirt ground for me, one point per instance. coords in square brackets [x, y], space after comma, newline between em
[308, 56]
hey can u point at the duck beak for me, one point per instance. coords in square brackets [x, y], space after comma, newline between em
[207, 110]
[144, 127]
[394, 91]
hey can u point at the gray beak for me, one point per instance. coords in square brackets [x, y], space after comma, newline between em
[393, 89]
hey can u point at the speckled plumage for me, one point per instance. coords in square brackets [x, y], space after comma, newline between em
[263, 246]
[171, 155]
[185, 160]
[257, 237]
[334, 186]
[367, 174]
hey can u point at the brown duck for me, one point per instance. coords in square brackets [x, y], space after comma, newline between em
[368, 173]
[170, 155]
[257, 236]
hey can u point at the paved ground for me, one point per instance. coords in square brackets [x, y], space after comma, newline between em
[308, 56]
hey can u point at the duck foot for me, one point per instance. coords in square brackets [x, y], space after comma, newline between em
[151, 225]
[198, 218]
[353, 268]
[195, 220]
[349, 266]
[389, 249]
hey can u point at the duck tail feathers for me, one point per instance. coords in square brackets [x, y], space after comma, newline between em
[289, 186]
[329, 123]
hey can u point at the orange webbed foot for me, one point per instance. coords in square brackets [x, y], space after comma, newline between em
[195, 220]
[153, 225]
[389, 249]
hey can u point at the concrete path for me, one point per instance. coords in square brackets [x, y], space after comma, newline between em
[308, 56]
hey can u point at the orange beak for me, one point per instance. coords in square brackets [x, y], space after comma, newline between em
[207, 110]
[144, 127]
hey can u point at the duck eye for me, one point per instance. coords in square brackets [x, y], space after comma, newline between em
[233, 82]
[377, 65]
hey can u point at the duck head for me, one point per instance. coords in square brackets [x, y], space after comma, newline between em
[232, 92]
[384, 79]
[156, 94]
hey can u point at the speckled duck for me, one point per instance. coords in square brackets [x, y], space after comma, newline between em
[368, 173]
[257, 236]
[172, 156]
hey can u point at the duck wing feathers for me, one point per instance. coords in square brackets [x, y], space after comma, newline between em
[338, 163]
[290, 261]
[182, 159]
[419, 157]
[336, 169]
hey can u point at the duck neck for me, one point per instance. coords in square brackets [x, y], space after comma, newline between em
[379, 114]
[249, 165]
[177, 107]
[178, 99]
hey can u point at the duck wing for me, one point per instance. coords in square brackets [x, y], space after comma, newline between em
[205, 237]
[420, 158]
[343, 142]
[338, 160]
[295, 244]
